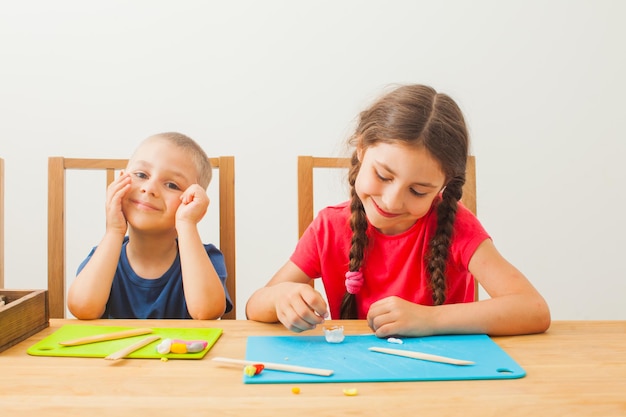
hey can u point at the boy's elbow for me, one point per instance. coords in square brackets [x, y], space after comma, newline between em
[208, 312]
[207, 316]
[84, 312]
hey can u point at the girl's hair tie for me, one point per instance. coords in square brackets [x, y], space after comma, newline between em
[354, 281]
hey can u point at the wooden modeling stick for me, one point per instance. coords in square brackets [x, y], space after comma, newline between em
[420, 355]
[278, 366]
[104, 337]
[130, 349]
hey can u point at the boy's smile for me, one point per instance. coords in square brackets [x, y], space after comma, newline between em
[142, 205]
[160, 172]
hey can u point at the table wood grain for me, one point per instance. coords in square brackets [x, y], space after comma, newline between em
[577, 368]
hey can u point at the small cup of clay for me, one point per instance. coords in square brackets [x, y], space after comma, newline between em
[334, 334]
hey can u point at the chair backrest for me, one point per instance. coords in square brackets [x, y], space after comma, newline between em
[1, 223]
[307, 165]
[56, 221]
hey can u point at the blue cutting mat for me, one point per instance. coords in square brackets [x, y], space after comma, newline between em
[351, 360]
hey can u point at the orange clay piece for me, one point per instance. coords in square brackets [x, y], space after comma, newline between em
[295, 390]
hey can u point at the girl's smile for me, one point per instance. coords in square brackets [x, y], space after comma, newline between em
[397, 185]
[383, 212]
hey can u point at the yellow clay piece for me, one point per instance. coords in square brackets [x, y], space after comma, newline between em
[178, 348]
[350, 392]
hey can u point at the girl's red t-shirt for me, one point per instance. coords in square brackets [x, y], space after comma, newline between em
[394, 265]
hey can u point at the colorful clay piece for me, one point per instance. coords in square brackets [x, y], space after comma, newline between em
[252, 370]
[178, 348]
[181, 346]
[295, 390]
[164, 347]
[350, 392]
[196, 346]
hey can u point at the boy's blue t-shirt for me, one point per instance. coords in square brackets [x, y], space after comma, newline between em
[133, 297]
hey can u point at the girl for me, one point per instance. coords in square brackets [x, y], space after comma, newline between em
[403, 253]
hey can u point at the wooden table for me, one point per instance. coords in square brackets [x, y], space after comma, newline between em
[577, 368]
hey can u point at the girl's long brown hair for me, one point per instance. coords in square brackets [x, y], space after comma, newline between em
[418, 116]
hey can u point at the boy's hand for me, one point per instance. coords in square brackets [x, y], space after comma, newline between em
[194, 204]
[115, 219]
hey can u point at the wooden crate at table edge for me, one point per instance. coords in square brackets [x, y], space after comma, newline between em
[25, 314]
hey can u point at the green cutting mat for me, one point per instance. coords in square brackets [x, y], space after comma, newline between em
[50, 345]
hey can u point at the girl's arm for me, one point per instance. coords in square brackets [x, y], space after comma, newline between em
[289, 298]
[515, 306]
[89, 292]
[203, 289]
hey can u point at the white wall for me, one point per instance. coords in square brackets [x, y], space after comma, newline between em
[541, 82]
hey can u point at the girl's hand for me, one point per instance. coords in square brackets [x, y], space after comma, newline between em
[194, 205]
[115, 219]
[299, 307]
[393, 316]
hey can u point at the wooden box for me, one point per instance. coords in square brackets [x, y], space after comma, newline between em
[24, 314]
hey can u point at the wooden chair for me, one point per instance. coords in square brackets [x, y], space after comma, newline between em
[1, 223]
[56, 221]
[307, 165]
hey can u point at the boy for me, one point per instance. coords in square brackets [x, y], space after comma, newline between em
[161, 269]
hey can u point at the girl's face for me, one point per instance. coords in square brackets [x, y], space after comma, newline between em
[397, 185]
[160, 172]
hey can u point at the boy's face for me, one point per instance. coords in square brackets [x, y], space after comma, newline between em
[160, 172]
[397, 185]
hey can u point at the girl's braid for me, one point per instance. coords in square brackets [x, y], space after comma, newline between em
[439, 246]
[358, 224]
